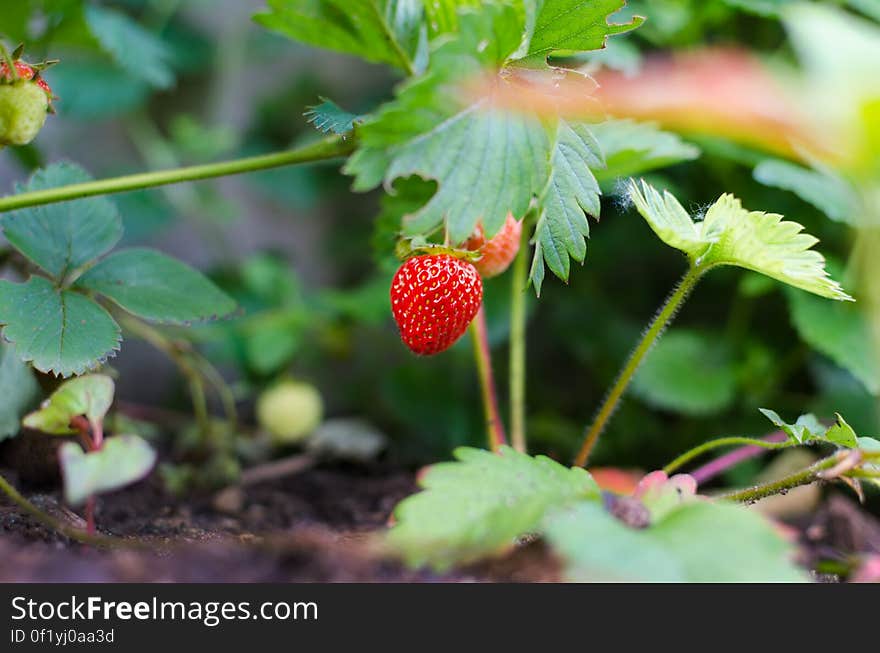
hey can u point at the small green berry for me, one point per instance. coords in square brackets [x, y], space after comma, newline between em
[290, 411]
[23, 110]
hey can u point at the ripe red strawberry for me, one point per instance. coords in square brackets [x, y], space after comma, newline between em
[434, 297]
[499, 251]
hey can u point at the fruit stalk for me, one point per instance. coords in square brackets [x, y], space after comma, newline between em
[9, 61]
[328, 148]
[518, 349]
[494, 425]
[654, 331]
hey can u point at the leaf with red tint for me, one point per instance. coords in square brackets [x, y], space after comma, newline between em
[721, 92]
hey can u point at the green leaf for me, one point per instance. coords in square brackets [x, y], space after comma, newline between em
[823, 189]
[90, 395]
[487, 164]
[329, 117]
[871, 445]
[839, 331]
[487, 161]
[567, 26]
[687, 372]
[382, 31]
[631, 148]
[63, 236]
[157, 287]
[842, 433]
[122, 460]
[698, 542]
[731, 235]
[805, 430]
[58, 331]
[19, 390]
[442, 15]
[481, 504]
[571, 189]
[139, 52]
[870, 8]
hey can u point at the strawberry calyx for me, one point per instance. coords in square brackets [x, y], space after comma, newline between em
[21, 70]
[417, 246]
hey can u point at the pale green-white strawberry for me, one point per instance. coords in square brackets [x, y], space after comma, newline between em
[23, 110]
[25, 99]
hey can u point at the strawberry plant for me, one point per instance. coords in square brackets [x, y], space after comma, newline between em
[78, 407]
[508, 126]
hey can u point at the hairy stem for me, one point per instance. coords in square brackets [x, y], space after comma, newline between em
[224, 392]
[50, 522]
[653, 332]
[328, 148]
[518, 347]
[687, 456]
[494, 425]
[721, 464]
[803, 477]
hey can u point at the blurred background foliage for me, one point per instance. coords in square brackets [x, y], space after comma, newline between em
[148, 84]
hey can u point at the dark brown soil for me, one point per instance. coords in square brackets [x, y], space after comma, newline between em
[317, 525]
[322, 524]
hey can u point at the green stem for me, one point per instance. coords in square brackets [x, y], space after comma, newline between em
[494, 425]
[328, 148]
[185, 365]
[224, 392]
[52, 523]
[10, 63]
[687, 456]
[518, 347]
[803, 477]
[654, 331]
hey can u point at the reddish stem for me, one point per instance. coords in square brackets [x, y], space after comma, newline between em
[90, 515]
[92, 437]
[494, 425]
[97, 436]
[84, 430]
[721, 464]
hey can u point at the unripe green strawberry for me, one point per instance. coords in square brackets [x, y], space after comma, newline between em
[24, 102]
[290, 411]
[434, 297]
[23, 110]
[499, 251]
